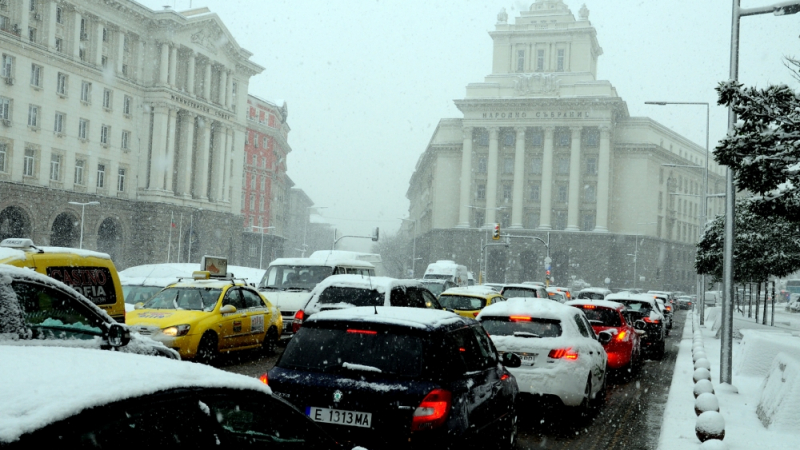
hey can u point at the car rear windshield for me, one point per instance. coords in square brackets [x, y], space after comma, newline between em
[354, 350]
[601, 316]
[511, 292]
[505, 326]
[643, 308]
[196, 299]
[351, 296]
[462, 302]
[591, 295]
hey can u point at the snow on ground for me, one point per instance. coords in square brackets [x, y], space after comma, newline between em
[765, 413]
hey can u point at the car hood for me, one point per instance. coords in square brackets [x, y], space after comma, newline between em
[287, 300]
[163, 318]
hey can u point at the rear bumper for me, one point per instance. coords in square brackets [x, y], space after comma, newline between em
[568, 386]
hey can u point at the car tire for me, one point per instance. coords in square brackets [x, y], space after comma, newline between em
[585, 408]
[661, 350]
[599, 398]
[507, 434]
[270, 343]
[208, 348]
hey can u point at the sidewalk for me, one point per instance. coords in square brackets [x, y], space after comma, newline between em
[756, 393]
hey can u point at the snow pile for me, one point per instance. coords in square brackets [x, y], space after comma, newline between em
[758, 349]
[710, 424]
[713, 316]
[779, 404]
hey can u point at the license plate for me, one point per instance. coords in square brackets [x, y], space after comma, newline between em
[528, 359]
[340, 417]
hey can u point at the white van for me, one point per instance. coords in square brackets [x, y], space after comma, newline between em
[288, 282]
[447, 270]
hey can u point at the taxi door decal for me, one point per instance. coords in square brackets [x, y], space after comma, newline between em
[257, 323]
[237, 326]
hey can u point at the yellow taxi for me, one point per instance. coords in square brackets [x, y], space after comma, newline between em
[208, 315]
[470, 300]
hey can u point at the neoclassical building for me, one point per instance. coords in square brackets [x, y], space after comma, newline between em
[142, 111]
[544, 147]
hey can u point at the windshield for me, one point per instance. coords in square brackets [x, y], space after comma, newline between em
[462, 302]
[356, 351]
[189, 298]
[351, 296]
[437, 276]
[301, 277]
[139, 294]
[601, 316]
[533, 327]
[591, 295]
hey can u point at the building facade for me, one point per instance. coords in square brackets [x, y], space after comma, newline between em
[549, 151]
[142, 111]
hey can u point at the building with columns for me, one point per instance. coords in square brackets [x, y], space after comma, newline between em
[549, 151]
[142, 111]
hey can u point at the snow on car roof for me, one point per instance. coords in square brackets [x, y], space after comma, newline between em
[531, 287]
[535, 307]
[8, 254]
[629, 296]
[393, 315]
[603, 303]
[334, 260]
[165, 274]
[595, 290]
[214, 283]
[475, 291]
[47, 384]
[380, 284]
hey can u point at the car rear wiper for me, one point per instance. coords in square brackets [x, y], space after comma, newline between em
[525, 334]
[360, 367]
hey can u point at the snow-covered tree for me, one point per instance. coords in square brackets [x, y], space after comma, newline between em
[763, 246]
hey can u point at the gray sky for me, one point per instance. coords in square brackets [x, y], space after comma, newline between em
[366, 82]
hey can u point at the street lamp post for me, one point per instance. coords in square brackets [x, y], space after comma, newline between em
[261, 254]
[414, 247]
[83, 208]
[726, 344]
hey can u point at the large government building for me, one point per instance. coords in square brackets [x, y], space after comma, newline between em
[548, 151]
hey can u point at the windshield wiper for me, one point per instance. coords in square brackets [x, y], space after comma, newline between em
[525, 334]
[360, 367]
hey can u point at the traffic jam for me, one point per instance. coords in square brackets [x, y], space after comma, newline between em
[368, 361]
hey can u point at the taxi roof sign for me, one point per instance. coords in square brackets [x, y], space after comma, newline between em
[17, 243]
[216, 266]
[200, 275]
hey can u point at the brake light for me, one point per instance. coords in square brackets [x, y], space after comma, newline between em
[433, 410]
[520, 318]
[298, 320]
[353, 331]
[264, 379]
[649, 320]
[504, 377]
[589, 307]
[621, 336]
[669, 308]
[565, 353]
[475, 314]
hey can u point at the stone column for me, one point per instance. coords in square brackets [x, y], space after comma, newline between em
[217, 163]
[229, 90]
[169, 160]
[237, 158]
[173, 65]
[24, 21]
[190, 74]
[573, 207]
[466, 178]
[163, 67]
[143, 177]
[76, 36]
[140, 59]
[547, 180]
[207, 83]
[51, 25]
[491, 178]
[120, 52]
[184, 169]
[223, 88]
[519, 179]
[201, 158]
[98, 57]
[603, 180]
[226, 161]
[158, 151]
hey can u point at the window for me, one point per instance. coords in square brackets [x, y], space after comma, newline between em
[263, 184]
[61, 84]
[480, 218]
[253, 249]
[121, 180]
[532, 220]
[33, 116]
[587, 222]
[481, 194]
[483, 137]
[660, 201]
[3, 156]
[7, 70]
[563, 138]
[508, 166]
[83, 129]
[32, 34]
[55, 167]
[507, 189]
[252, 182]
[59, 45]
[591, 165]
[126, 105]
[509, 138]
[58, 126]
[255, 141]
[560, 61]
[33, 5]
[59, 15]
[36, 75]
[29, 162]
[592, 138]
[105, 34]
[104, 61]
[125, 69]
[252, 204]
[481, 164]
[79, 165]
[107, 96]
[233, 96]
[560, 220]
[539, 60]
[86, 92]
[589, 193]
[101, 175]
[520, 60]
[535, 138]
[535, 195]
[5, 24]
[126, 137]
[536, 165]
[562, 164]
[5, 108]
[105, 130]
[561, 193]
[82, 54]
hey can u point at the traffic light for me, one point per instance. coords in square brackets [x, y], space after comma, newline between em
[548, 275]
[496, 232]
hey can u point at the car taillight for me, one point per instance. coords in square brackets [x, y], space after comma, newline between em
[520, 318]
[354, 331]
[433, 410]
[298, 320]
[649, 320]
[566, 353]
[475, 314]
[621, 336]
[669, 308]
[264, 379]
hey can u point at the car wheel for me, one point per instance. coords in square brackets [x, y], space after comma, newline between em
[661, 350]
[270, 341]
[208, 348]
[507, 435]
[599, 398]
[586, 405]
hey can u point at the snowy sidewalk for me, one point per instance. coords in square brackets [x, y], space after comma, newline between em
[744, 430]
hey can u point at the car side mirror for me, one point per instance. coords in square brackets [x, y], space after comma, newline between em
[604, 337]
[118, 335]
[227, 309]
[639, 325]
[139, 305]
[510, 360]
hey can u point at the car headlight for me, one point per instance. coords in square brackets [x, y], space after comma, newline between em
[177, 330]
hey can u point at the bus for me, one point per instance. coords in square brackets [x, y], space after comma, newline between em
[793, 286]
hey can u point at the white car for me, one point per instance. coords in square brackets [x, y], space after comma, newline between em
[561, 355]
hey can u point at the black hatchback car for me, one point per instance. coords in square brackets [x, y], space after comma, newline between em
[389, 376]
